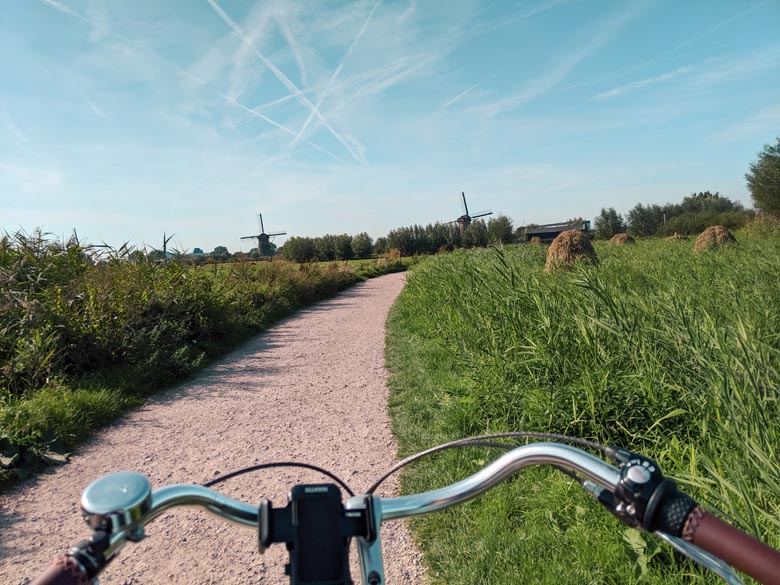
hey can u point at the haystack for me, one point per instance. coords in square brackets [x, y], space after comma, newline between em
[569, 247]
[676, 236]
[713, 237]
[536, 240]
[621, 239]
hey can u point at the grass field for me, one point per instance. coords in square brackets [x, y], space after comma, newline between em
[657, 349]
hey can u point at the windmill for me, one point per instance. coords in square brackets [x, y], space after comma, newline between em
[464, 220]
[162, 255]
[263, 239]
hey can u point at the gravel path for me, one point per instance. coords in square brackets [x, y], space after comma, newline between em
[312, 388]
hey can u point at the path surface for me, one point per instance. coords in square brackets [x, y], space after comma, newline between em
[312, 388]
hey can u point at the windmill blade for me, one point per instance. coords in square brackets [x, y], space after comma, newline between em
[482, 213]
[465, 206]
[276, 234]
[250, 237]
[260, 223]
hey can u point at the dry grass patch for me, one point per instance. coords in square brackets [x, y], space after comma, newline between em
[622, 239]
[569, 247]
[676, 236]
[714, 237]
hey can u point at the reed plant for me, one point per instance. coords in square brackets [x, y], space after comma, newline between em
[85, 336]
[656, 349]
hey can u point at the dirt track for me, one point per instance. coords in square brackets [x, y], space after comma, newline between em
[311, 389]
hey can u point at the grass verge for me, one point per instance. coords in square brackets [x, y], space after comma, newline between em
[657, 349]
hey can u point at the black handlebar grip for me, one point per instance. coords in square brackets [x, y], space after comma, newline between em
[63, 570]
[673, 512]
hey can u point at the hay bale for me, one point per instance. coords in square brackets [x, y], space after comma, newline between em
[536, 241]
[622, 239]
[714, 236]
[569, 247]
[676, 236]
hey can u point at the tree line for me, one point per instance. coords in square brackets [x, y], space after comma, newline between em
[438, 237]
[700, 210]
[693, 215]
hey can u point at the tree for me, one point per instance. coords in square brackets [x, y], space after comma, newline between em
[645, 220]
[326, 247]
[299, 249]
[361, 245]
[342, 245]
[608, 223]
[476, 235]
[380, 246]
[500, 230]
[763, 179]
[707, 202]
[221, 254]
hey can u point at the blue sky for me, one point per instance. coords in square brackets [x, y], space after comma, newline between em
[125, 119]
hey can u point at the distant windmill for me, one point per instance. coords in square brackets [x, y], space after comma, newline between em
[164, 250]
[464, 220]
[263, 239]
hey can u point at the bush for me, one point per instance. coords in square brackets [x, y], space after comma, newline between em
[69, 322]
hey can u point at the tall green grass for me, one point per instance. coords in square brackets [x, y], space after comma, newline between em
[84, 338]
[657, 349]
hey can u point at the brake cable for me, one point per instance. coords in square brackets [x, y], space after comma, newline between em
[484, 441]
[281, 464]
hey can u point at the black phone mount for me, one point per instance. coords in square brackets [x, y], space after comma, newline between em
[317, 531]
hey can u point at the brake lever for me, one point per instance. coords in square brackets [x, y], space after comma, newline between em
[705, 559]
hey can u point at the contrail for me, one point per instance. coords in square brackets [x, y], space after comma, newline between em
[279, 126]
[630, 87]
[620, 72]
[64, 9]
[13, 128]
[284, 27]
[333, 77]
[704, 34]
[291, 87]
[462, 94]
[281, 100]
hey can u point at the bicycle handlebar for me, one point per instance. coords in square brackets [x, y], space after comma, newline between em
[636, 493]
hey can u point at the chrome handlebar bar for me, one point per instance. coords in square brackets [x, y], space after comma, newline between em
[145, 505]
[551, 453]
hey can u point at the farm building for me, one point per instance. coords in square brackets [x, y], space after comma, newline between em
[548, 232]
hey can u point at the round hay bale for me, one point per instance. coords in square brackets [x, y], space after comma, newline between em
[714, 236]
[536, 241]
[569, 247]
[622, 239]
[676, 236]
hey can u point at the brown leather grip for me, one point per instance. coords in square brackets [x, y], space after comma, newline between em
[739, 550]
[62, 571]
